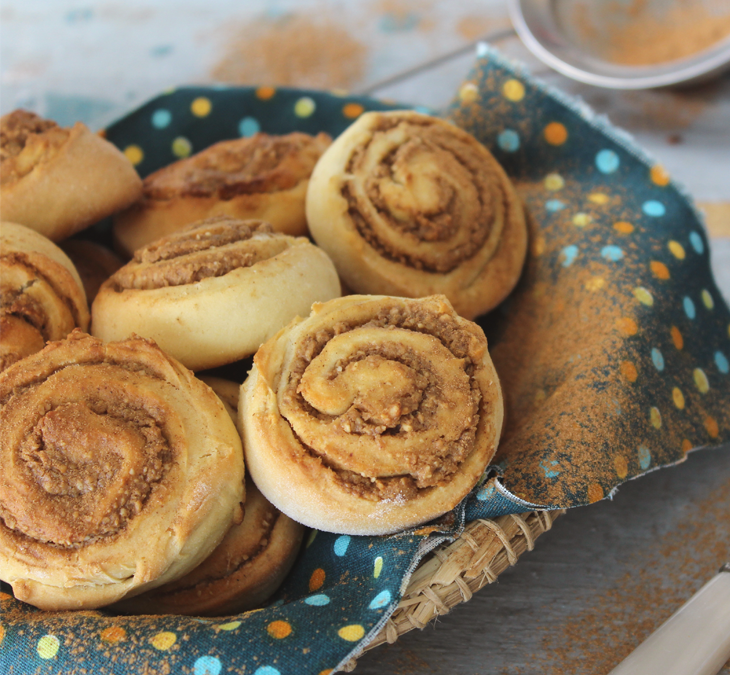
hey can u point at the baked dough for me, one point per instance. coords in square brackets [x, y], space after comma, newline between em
[262, 177]
[94, 263]
[372, 415]
[41, 295]
[210, 295]
[58, 181]
[120, 472]
[410, 205]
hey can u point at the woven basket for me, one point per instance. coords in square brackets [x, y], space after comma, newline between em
[454, 571]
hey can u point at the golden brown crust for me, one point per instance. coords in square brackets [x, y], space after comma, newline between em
[262, 177]
[121, 472]
[94, 263]
[372, 415]
[211, 294]
[41, 297]
[59, 181]
[410, 205]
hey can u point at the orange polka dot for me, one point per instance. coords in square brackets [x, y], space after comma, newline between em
[686, 446]
[627, 325]
[113, 634]
[711, 426]
[660, 270]
[677, 337]
[316, 580]
[326, 671]
[353, 110]
[279, 629]
[628, 370]
[621, 466]
[595, 493]
[265, 93]
[5, 596]
[659, 175]
[2, 634]
[556, 133]
[538, 246]
[623, 227]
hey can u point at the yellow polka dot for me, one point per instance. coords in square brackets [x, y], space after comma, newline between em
[2, 634]
[377, 567]
[48, 646]
[556, 133]
[659, 175]
[595, 284]
[623, 227]
[311, 538]
[317, 579]
[513, 90]
[540, 397]
[628, 370]
[231, 625]
[677, 249]
[659, 269]
[686, 446]
[707, 300]
[353, 110]
[677, 338]
[113, 634]
[655, 417]
[554, 181]
[643, 296]
[595, 493]
[627, 325]
[163, 641]
[538, 246]
[621, 466]
[304, 107]
[678, 397]
[468, 92]
[701, 381]
[279, 629]
[201, 106]
[598, 198]
[581, 219]
[134, 154]
[265, 93]
[711, 426]
[351, 633]
[181, 147]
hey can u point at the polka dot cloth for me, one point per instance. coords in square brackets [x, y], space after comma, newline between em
[644, 343]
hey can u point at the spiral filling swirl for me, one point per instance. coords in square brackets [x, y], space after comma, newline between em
[387, 402]
[423, 196]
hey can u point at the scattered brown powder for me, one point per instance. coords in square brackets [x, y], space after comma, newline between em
[293, 50]
[637, 35]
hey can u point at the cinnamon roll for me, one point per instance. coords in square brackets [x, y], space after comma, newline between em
[210, 295]
[94, 263]
[57, 180]
[120, 472]
[410, 205]
[372, 415]
[262, 177]
[41, 295]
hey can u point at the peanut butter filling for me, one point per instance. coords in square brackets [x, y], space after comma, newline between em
[423, 196]
[259, 164]
[212, 248]
[388, 404]
[27, 140]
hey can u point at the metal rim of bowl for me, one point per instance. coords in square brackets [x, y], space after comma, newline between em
[696, 68]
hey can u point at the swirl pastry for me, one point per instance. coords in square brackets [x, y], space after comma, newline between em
[410, 205]
[372, 415]
[94, 263]
[120, 472]
[262, 177]
[211, 294]
[57, 180]
[41, 296]
[248, 565]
